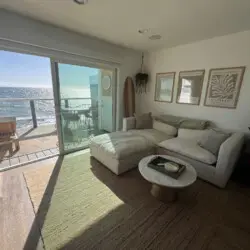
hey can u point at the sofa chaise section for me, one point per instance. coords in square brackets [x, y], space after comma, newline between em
[120, 151]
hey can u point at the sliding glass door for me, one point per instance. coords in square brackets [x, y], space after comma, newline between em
[84, 102]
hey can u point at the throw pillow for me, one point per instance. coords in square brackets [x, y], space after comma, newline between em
[143, 121]
[169, 119]
[165, 128]
[182, 122]
[192, 134]
[212, 140]
[193, 124]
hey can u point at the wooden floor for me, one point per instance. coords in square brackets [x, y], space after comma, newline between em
[35, 144]
[16, 211]
[219, 220]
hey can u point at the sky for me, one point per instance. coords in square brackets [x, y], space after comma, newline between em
[22, 70]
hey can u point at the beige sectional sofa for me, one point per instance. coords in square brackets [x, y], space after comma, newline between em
[122, 151]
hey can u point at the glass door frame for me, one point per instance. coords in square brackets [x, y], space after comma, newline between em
[57, 99]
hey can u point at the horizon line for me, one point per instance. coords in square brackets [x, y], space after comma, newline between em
[30, 87]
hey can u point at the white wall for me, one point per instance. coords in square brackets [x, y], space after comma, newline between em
[22, 34]
[226, 51]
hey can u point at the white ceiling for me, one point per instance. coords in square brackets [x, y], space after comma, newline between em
[118, 21]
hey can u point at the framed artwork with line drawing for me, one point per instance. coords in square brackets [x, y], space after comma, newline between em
[223, 87]
[164, 87]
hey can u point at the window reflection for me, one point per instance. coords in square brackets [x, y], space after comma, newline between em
[185, 95]
[190, 87]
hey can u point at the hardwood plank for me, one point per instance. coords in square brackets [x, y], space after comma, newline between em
[23, 158]
[17, 215]
[40, 154]
[54, 150]
[14, 161]
[5, 163]
[1, 187]
[47, 152]
[32, 157]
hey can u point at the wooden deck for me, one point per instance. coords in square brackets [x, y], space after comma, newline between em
[35, 144]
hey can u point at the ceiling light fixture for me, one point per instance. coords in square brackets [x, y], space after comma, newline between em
[155, 37]
[143, 31]
[81, 1]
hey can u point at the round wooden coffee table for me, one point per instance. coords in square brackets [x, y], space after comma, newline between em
[164, 187]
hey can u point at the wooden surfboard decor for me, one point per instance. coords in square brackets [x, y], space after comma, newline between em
[129, 97]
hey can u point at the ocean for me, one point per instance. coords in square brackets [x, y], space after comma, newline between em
[44, 109]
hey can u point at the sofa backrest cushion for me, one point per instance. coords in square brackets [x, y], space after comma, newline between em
[143, 121]
[169, 119]
[183, 122]
[213, 140]
[192, 134]
[193, 124]
[165, 128]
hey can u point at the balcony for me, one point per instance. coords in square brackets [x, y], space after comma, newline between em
[38, 134]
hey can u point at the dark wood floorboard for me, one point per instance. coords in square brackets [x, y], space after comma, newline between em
[16, 212]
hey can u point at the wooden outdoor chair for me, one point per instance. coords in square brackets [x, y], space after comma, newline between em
[8, 134]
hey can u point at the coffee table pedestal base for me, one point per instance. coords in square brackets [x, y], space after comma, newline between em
[164, 194]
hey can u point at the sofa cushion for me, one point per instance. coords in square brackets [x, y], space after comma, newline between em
[143, 121]
[191, 134]
[190, 149]
[169, 119]
[193, 124]
[152, 135]
[165, 128]
[182, 122]
[121, 144]
[213, 140]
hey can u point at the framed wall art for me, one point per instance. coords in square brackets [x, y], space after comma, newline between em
[223, 87]
[190, 87]
[164, 87]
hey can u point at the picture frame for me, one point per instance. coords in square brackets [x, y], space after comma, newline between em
[164, 87]
[190, 84]
[223, 87]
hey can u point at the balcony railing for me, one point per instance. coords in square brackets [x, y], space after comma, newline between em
[35, 110]
[78, 118]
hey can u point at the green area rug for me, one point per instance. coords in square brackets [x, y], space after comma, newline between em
[79, 204]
